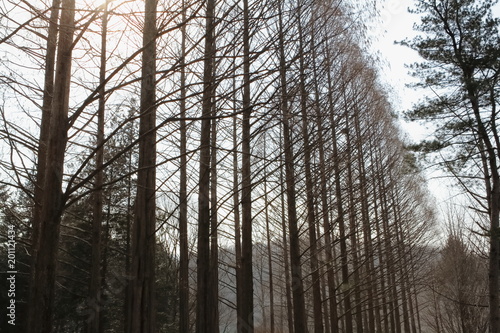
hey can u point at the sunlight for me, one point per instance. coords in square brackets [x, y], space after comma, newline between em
[99, 4]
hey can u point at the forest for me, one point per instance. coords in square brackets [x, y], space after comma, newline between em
[239, 166]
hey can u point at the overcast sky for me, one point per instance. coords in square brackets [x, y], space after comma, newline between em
[396, 24]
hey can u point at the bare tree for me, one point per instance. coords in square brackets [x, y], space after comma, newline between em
[142, 307]
[42, 306]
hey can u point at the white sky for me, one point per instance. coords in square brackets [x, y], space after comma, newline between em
[396, 24]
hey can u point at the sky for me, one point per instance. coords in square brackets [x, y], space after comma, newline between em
[396, 24]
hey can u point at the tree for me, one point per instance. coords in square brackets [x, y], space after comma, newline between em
[97, 218]
[290, 180]
[183, 197]
[44, 277]
[246, 316]
[459, 283]
[461, 47]
[142, 307]
[203, 266]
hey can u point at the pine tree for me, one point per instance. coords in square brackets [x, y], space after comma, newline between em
[461, 47]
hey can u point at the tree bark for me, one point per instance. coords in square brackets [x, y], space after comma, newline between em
[300, 322]
[142, 315]
[183, 205]
[246, 320]
[214, 246]
[48, 91]
[40, 309]
[289, 305]
[311, 216]
[203, 266]
[353, 232]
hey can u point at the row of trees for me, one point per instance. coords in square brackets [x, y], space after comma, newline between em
[207, 166]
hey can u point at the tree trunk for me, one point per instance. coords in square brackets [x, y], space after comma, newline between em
[95, 270]
[48, 90]
[365, 215]
[214, 247]
[353, 232]
[40, 310]
[203, 261]
[269, 250]
[236, 201]
[183, 205]
[289, 306]
[245, 321]
[142, 313]
[341, 223]
[311, 217]
[492, 184]
[299, 310]
[50, 60]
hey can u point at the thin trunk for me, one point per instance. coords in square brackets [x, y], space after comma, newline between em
[95, 270]
[390, 265]
[327, 225]
[403, 260]
[322, 275]
[418, 327]
[203, 264]
[40, 310]
[104, 271]
[382, 260]
[353, 232]
[378, 318]
[289, 305]
[236, 201]
[246, 320]
[300, 322]
[214, 247]
[183, 205]
[311, 217]
[128, 249]
[142, 302]
[367, 239]
[341, 223]
[269, 251]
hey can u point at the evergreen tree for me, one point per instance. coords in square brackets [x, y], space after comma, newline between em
[461, 45]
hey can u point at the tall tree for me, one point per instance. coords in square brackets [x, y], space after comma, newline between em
[142, 307]
[299, 311]
[310, 205]
[183, 197]
[48, 90]
[50, 59]
[203, 264]
[461, 47]
[43, 285]
[246, 317]
[97, 216]
[214, 245]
